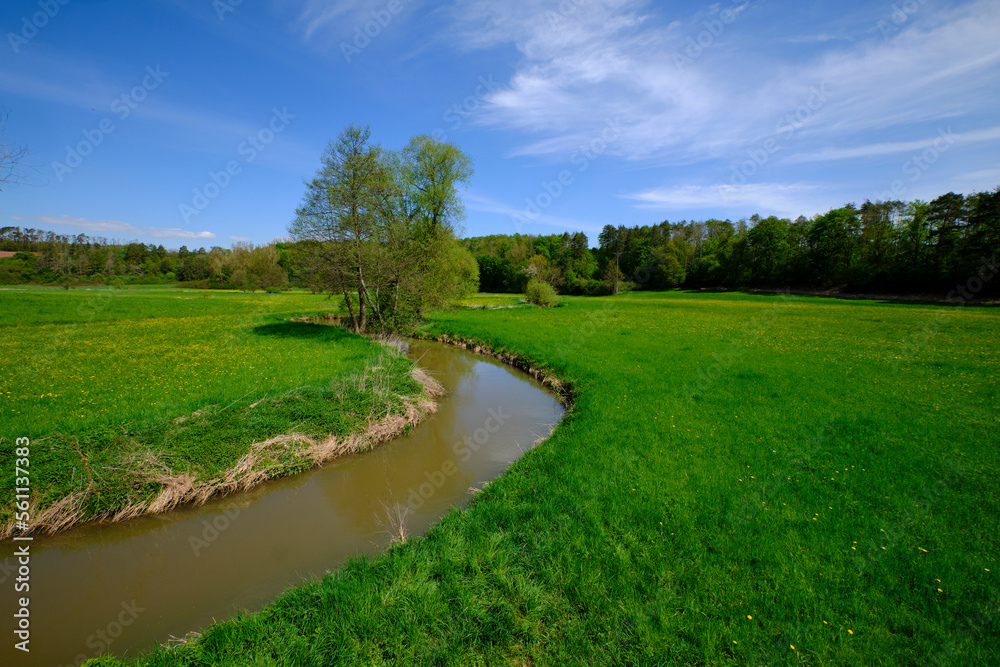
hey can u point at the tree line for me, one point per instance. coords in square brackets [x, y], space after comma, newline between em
[378, 228]
[41, 256]
[895, 246]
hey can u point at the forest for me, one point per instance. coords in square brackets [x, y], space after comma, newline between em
[900, 247]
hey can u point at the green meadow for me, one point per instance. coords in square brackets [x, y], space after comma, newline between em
[117, 389]
[741, 480]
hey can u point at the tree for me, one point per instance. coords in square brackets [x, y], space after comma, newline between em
[767, 241]
[946, 221]
[831, 239]
[11, 154]
[380, 227]
[429, 170]
[613, 277]
[343, 212]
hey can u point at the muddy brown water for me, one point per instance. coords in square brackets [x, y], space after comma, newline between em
[123, 588]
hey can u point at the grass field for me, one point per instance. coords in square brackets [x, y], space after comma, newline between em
[119, 389]
[490, 301]
[743, 480]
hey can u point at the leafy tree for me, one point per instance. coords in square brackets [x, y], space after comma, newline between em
[767, 241]
[381, 226]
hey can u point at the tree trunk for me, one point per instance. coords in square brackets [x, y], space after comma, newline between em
[371, 302]
[395, 306]
[363, 315]
[350, 309]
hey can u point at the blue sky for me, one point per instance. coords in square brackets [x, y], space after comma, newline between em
[195, 123]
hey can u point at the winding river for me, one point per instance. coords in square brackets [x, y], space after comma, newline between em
[123, 588]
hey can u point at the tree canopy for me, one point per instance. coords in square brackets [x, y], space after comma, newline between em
[379, 228]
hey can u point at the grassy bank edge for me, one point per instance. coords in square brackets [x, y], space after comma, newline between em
[279, 455]
[540, 371]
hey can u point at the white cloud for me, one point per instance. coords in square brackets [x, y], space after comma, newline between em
[785, 199]
[889, 148]
[813, 39]
[617, 59]
[116, 227]
[324, 20]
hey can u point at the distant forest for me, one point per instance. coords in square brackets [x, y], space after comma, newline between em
[895, 246]
[904, 247]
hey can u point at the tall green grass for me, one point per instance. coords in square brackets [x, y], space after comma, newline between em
[113, 388]
[742, 480]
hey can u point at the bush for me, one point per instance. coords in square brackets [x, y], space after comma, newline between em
[541, 293]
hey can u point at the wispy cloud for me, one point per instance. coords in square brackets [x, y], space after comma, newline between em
[889, 148]
[616, 59]
[815, 39]
[59, 79]
[320, 20]
[477, 201]
[121, 229]
[786, 199]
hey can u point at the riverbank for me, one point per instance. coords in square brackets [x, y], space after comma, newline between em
[743, 479]
[155, 487]
[235, 554]
[265, 397]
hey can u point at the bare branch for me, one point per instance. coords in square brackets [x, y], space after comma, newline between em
[10, 154]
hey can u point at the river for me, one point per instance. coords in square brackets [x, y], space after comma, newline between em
[123, 588]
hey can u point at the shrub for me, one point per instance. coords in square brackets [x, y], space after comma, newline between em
[541, 293]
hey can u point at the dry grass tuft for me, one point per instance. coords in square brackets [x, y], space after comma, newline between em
[262, 460]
